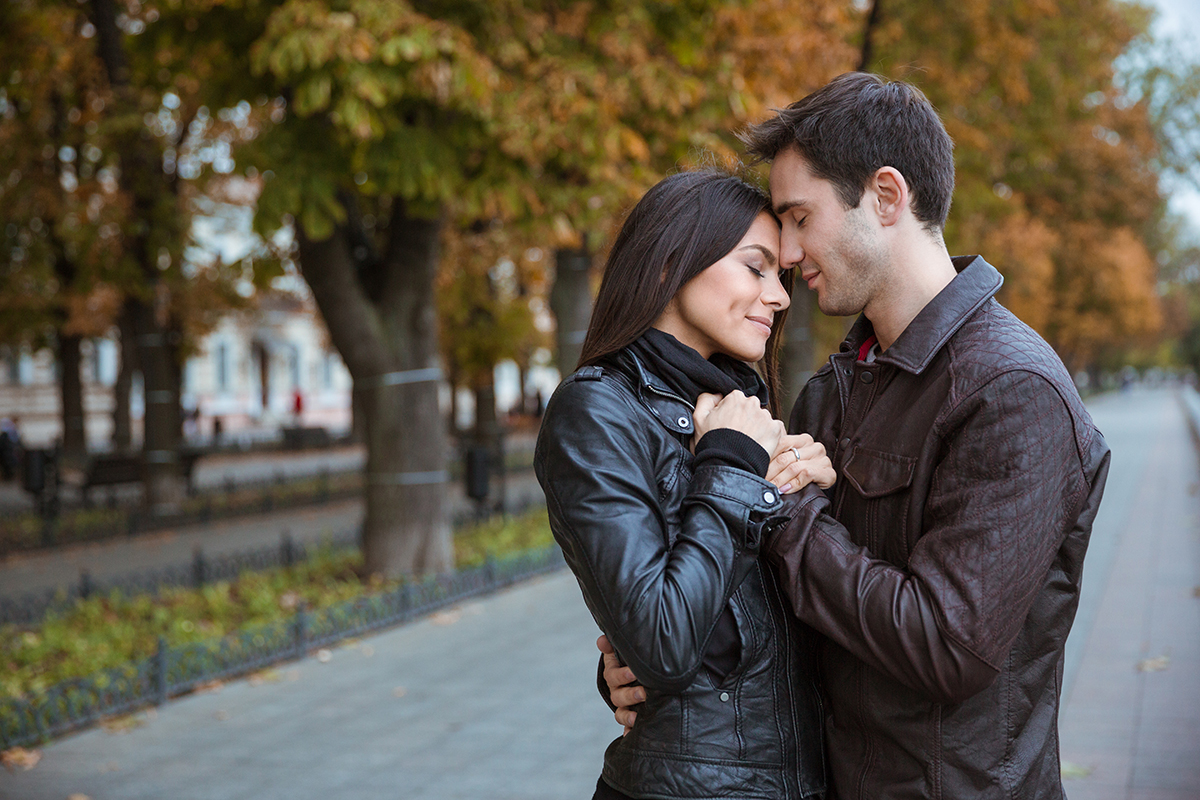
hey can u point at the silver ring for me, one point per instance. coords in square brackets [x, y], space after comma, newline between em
[795, 452]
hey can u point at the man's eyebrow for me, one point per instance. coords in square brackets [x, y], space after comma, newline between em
[783, 208]
[770, 256]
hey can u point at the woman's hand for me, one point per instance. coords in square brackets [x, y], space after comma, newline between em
[799, 461]
[741, 413]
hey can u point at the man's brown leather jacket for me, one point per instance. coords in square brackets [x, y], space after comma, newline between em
[944, 567]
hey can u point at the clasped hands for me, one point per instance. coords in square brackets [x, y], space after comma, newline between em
[796, 461]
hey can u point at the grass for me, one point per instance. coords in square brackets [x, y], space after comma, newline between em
[115, 629]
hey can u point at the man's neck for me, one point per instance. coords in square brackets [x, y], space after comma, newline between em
[921, 269]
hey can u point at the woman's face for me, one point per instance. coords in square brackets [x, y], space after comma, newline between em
[729, 307]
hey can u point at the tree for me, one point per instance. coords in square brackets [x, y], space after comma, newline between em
[60, 204]
[1056, 177]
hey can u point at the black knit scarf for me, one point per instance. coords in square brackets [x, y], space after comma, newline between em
[689, 375]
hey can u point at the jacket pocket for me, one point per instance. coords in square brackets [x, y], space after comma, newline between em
[874, 473]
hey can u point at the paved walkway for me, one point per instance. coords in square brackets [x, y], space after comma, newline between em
[496, 698]
[36, 571]
[1131, 725]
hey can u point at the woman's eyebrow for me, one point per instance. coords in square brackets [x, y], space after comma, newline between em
[771, 259]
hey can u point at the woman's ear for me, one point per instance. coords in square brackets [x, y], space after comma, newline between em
[891, 195]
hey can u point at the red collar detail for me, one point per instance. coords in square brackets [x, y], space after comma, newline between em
[866, 347]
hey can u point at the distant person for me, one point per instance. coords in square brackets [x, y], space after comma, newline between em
[660, 517]
[297, 405]
[10, 445]
[944, 569]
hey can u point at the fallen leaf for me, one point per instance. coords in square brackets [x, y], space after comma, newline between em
[1157, 664]
[348, 644]
[399, 691]
[446, 617]
[293, 674]
[368, 651]
[221, 715]
[16, 758]
[265, 676]
[324, 655]
[78, 796]
[122, 724]
[1070, 770]
[210, 686]
[1196, 591]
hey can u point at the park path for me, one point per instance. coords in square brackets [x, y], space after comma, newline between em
[111, 559]
[1130, 728]
[495, 698]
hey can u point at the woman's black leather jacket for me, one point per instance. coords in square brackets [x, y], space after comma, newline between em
[659, 553]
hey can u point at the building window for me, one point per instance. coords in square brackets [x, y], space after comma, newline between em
[294, 365]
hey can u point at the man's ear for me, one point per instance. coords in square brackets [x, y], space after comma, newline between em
[891, 195]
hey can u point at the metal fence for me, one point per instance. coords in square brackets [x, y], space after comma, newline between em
[28, 531]
[31, 607]
[176, 670]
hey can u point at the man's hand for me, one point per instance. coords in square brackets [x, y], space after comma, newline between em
[741, 413]
[799, 461]
[623, 690]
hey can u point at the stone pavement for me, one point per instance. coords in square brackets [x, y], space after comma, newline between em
[428, 710]
[1130, 728]
[496, 698]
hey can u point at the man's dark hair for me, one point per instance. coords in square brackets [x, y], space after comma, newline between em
[858, 123]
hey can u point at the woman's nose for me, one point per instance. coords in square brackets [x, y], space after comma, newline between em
[776, 295]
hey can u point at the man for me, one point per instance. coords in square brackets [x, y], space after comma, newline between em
[944, 567]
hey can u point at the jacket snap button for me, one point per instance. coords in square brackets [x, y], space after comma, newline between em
[844, 443]
[724, 697]
[683, 422]
[867, 377]
[769, 497]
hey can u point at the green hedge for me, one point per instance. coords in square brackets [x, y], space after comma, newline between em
[111, 630]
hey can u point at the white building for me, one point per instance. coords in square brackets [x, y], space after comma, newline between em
[245, 378]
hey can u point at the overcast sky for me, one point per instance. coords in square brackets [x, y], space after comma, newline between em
[1180, 19]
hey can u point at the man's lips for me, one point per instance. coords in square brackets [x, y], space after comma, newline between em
[763, 323]
[810, 278]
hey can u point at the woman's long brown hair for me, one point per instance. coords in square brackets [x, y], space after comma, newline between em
[686, 223]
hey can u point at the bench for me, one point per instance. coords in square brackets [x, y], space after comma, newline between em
[115, 469]
[305, 438]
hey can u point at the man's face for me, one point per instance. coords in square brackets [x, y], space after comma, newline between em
[835, 250]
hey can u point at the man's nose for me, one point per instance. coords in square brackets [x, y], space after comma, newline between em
[791, 252]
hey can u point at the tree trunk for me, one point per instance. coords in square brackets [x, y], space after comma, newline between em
[381, 316]
[142, 177]
[487, 435]
[70, 392]
[122, 438]
[571, 302]
[867, 54]
[797, 356]
[162, 421]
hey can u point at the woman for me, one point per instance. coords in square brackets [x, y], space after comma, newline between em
[653, 457]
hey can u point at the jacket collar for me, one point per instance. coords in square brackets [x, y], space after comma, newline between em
[976, 283]
[672, 410]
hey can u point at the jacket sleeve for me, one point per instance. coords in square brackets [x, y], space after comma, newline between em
[657, 603]
[1005, 492]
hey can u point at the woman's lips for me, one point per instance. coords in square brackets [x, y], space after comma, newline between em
[763, 323]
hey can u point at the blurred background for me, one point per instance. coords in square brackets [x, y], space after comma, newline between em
[257, 255]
